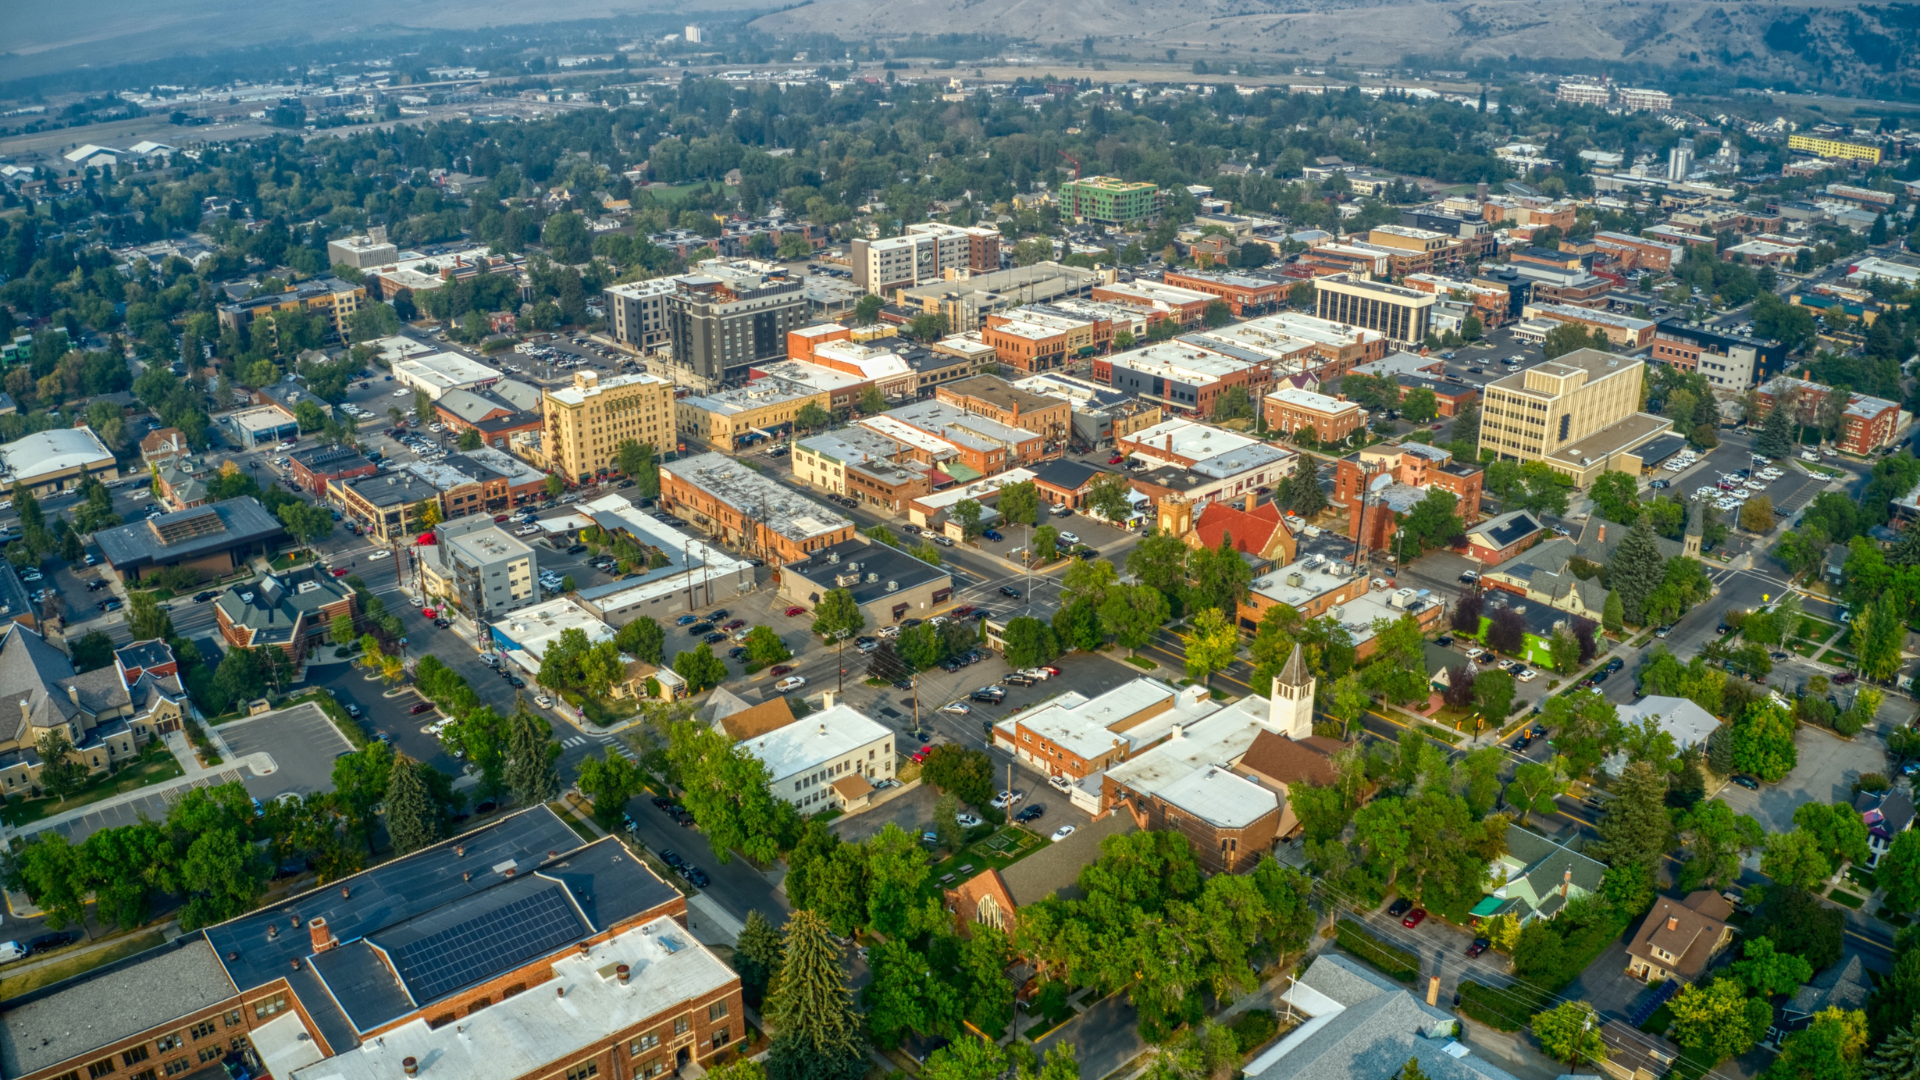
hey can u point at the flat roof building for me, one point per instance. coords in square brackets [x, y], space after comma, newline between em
[808, 757]
[587, 422]
[57, 459]
[695, 573]
[212, 539]
[1529, 415]
[729, 419]
[438, 373]
[1401, 315]
[969, 300]
[729, 500]
[888, 584]
[480, 567]
[1108, 200]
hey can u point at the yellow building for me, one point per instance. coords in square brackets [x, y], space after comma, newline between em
[723, 419]
[330, 297]
[1833, 148]
[1533, 414]
[587, 422]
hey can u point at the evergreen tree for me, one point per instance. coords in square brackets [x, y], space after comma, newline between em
[1776, 435]
[1720, 751]
[532, 775]
[1635, 829]
[756, 956]
[816, 1033]
[1898, 1058]
[412, 820]
[1636, 569]
[1612, 614]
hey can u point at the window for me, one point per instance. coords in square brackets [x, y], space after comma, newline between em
[202, 1029]
[168, 1042]
[716, 1011]
[177, 1066]
[581, 1072]
[650, 1070]
[649, 1041]
[103, 1067]
[134, 1056]
[144, 1074]
[721, 1037]
[211, 1053]
[268, 1006]
[680, 1024]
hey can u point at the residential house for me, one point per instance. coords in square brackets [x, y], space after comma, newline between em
[1498, 539]
[164, 445]
[1887, 815]
[1537, 878]
[1845, 986]
[1678, 938]
[106, 715]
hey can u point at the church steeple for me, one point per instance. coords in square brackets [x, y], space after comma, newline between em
[1696, 525]
[1290, 707]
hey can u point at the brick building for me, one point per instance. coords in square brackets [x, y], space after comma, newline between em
[317, 466]
[1868, 423]
[1331, 419]
[1393, 480]
[985, 395]
[1245, 296]
[291, 612]
[731, 501]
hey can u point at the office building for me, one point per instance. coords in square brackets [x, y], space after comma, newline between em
[1185, 379]
[826, 759]
[498, 412]
[965, 446]
[1834, 149]
[729, 500]
[1100, 414]
[1400, 315]
[1729, 360]
[386, 505]
[966, 302]
[1637, 100]
[888, 584]
[995, 399]
[315, 467]
[1046, 337]
[108, 715]
[292, 612]
[727, 420]
[1289, 410]
[479, 567]
[688, 575]
[1200, 463]
[214, 539]
[727, 316]
[1584, 93]
[1159, 300]
[587, 422]
[328, 297]
[438, 373]
[1624, 331]
[364, 251]
[1075, 736]
[1649, 254]
[637, 313]
[871, 359]
[1577, 413]
[1106, 200]
[925, 252]
[55, 460]
[1245, 296]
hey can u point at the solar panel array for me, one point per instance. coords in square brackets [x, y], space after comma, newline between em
[470, 951]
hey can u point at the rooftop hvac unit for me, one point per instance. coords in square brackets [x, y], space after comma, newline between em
[853, 566]
[1337, 611]
[833, 556]
[871, 578]
[1296, 579]
[246, 598]
[892, 586]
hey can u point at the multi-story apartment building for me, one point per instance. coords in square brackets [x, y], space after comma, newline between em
[729, 500]
[479, 567]
[1577, 413]
[637, 312]
[925, 252]
[1188, 380]
[328, 297]
[940, 434]
[1584, 93]
[1106, 200]
[1416, 251]
[859, 462]
[1655, 255]
[1868, 423]
[511, 952]
[1331, 419]
[388, 506]
[1835, 149]
[811, 761]
[1379, 485]
[1045, 337]
[1638, 100]
[1402, 316]
[985, 395]
[1245, 296]
[967, 301]
[587, 422]
[726, 317]
[317, 466]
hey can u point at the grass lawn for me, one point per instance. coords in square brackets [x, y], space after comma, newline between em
[1845, 640]
[1862, 877]
[574, 822]
[1839, 896]
[151, 768]
[1836, 657]
[1803, 647]
[998, 850]
[1814, 629]
[603, 713]
[1142, 663]
[28, 981]
[1658, 1022]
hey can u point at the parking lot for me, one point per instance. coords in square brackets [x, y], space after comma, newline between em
[1790, 490]
[1825, 771]
[350, 685]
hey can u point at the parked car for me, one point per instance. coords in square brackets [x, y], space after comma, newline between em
[796, 610]
[967, 821]
[1399, 907]
[420, 707]
[993, 536]
[791, 682]
[1479, 946]
[1414, 918]
[1006, 799]
[1745, 781]
[1062, 833]
[1029, 814]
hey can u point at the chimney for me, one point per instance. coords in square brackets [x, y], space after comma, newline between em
[1566, 881]
[827, 699]
[1433, 990]
[26, 710]
[1603, 532]
[623, 972]
[1673, 922]
[1252, 497]
[73, 693]
[322, 934]
[1169, 441]
[410, 1066]
[823, 731]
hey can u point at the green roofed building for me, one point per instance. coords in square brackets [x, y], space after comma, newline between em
[1107, 200]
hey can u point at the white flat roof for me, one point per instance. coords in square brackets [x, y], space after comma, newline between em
[1082, 726]
[533, 628]
[811, 742]
[979, 489]
[1188, 363]
[810, 377]
[445, 370]
[55, 450]
[1220, 797]
[573, 395]
[1307, 399]
[525, 1034]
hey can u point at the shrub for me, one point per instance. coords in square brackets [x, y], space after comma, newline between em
[1254, 1029]
[1504, 1009]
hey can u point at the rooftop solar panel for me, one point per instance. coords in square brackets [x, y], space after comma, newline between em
[468, 952]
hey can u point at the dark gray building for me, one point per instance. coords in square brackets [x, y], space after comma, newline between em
[725, 319]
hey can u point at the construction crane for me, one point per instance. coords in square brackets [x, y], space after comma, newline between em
[1076, 163]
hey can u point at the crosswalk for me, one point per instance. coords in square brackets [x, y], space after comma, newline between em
[604, 742]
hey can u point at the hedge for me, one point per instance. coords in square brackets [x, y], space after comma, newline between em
[1507, 1009]
[1394, 962]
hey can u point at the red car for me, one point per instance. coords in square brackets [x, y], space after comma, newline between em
[1414, 918]
[1051, 670]
[420, 708]
[779, 669]
[962, 611]
[1116, 459]
[735, 624]
[498, 518]
[341, 572]
[792, 611]
[920, 755]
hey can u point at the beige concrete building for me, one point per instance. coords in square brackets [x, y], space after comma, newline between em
[1403, 315]
[722, 419]
[587, 422]
[1587, 400]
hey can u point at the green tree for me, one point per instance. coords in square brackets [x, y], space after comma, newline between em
[1766, 971]
[1838, 830]
[1110, 496]
[1776, 435]
[1211, 640]
[1716, 839]
[1636, 569]
[756, 956]
[867, 309]
[413, 821]
[1029, 642]
[967, 512]
[816, 1031]
[1718, 1020]
[969, 1058]
[360, 780]
[1897, 1057]
[53, 874]
[872, 401]
[1830, 1047]
[1133, 614]
[62, 771]
[838, 615]
[725, 789]
[1020, 503]
[1794, 859]
[1899, 872]
[1635, 830]
[1763, 742]
[1570, 1032]
[531, 774]
[701, 669]
[610, 780]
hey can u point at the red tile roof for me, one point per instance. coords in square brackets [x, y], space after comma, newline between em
[1250, 531]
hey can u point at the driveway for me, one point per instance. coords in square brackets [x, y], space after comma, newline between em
[1606, 985]
[1105, 1037]
[911, 811]
[1827, 768]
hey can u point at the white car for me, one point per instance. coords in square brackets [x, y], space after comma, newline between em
[791, 682]
[959, 707]
[1006, 799]
[1476, 652]
[403, 393]
[967, 821]
[866, 646]
[1062, 833]
[1039, 673]
[526, 530]
[1069, 538]
[1526, 674]
[383, 553]
[1060, 783]
[543, 701]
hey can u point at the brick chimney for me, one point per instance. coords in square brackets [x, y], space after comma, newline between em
[623, 972]
[1252, 498]
[321, 933]
[1673, 922]
[1603, 532]
[410, 1066]
[1566, 881]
